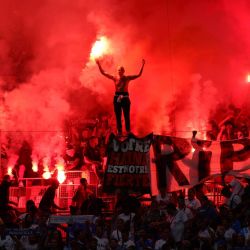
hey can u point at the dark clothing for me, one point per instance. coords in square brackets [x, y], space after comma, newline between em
[25, 158]
[70, 160]
[47, 201]
[122, 104]
[93, 154]
[4, 194]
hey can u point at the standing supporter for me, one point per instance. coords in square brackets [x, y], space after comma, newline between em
[126, 241]
[163, 198]
[227, 131]
[5, 203]
[191, 202]
[245, 231]
[208, 211]
[29, 242]
[53, 240]
[73, 158]
[128, 217]
[121, 98]
[6, 241]
[47, 202]
[24, 162]
[206, 234]
[117, 232]
[232, 200]
[237, 187]
[93, 157]
[102, 241]
[144, 240]
[165, 237]
[177, 220]
[229, 231]
[4, 161]
[81, 195]
[182, 207]
[113, 244]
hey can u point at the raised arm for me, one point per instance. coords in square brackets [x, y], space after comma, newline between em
[140, 73]
[103, 72]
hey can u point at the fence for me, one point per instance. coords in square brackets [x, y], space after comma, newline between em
[34, 188]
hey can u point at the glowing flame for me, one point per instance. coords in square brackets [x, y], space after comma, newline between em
[9, 170]
[34, 166]
[192, 150]
[248, 78]
[46, 175]
[99, 48]
[61, 177]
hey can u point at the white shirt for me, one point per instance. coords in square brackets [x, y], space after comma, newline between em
[165, 199]
[229, 234]
[206, 233]
[177, 225]
[159, 243]
[102, 243]
[129, 243]
[26, 245]
[237, 187]
[193, 204]
[126, 217]
[189, 213]
[233, 201]
[7, 243]
[116, 234]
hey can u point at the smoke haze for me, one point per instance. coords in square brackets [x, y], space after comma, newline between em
[196, 52]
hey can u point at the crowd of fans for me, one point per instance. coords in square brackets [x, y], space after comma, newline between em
[169, 221]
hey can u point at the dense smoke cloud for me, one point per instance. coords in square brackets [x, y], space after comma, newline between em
[46, 75]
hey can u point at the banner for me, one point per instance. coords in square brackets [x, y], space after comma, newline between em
[66, 219]
[128, 164]
[178, 162]
[22, 231]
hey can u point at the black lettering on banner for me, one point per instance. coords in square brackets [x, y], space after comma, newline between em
[128, 164]
[180, 148]
[229, 156]
[204, 164]
[204, 157]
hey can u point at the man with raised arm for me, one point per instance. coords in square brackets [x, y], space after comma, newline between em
[121, 98]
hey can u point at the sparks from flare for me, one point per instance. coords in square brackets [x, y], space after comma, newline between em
[99, 48]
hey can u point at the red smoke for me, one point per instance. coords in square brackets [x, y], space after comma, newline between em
[196, 52]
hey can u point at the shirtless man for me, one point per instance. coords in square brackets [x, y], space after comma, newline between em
[121, 98]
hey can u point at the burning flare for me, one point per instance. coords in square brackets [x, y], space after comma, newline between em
[46, 175]
[248, 78]
[100, 47]
[34, 166]
[9, 170]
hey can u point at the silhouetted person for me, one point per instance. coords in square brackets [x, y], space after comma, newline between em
[47, 202]
[82, 194]
[5, 203]
[121, 98]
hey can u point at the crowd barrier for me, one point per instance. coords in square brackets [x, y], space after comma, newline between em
[34, 188]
